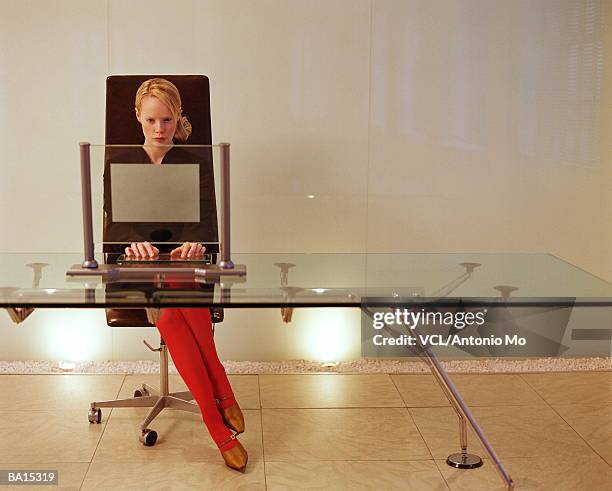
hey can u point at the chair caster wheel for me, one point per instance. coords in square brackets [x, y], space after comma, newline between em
[148, 437]
[95, 415]
[141, 393]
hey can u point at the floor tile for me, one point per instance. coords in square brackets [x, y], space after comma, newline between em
[483, 478]
[335, 431]
[592, 388]
[328, 390]
[46, 436]
[517, 431]
[559, 473]
[246, 390]
[594, 424]
[182, 437]
[56, 392]
[495, 390]
[341, 434]
[419, 390]
[476, 390]
[420, 475]
[70, 475]
[175, 476]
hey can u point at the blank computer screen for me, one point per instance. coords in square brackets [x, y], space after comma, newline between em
[155, 193]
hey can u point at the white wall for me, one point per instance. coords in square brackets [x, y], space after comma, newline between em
[447, 125]
[486, 128]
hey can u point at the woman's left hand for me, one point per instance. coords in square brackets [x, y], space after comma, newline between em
[188, 250]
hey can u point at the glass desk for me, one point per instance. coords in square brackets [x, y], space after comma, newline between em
[383, 283]
[313, 280]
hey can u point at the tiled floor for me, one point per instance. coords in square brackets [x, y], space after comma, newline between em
[552, 431]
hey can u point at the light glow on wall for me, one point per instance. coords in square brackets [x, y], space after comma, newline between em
[75, 336]
[328, 335]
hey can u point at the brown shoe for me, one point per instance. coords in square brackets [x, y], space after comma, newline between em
[236, 457]
[232, 416]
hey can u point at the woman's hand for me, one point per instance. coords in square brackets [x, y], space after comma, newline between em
[141, 250]
[188, 250]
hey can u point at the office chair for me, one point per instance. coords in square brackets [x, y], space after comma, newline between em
[122, 128]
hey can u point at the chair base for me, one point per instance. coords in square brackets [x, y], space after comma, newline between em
[147, 396]
[173, 400]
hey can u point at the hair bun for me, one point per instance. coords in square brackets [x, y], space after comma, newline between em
[183, 129]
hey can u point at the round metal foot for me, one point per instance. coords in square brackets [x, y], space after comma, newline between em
[464, 461]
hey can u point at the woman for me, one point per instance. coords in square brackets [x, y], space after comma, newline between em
[188, 332]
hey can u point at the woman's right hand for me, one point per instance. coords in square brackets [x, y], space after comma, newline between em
[141, 250]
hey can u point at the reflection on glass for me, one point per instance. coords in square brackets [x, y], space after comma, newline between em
[37, 267]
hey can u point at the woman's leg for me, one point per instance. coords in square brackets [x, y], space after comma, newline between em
[188, 361]
[200, 323]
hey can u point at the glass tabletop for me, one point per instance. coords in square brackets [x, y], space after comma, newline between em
[313, 280]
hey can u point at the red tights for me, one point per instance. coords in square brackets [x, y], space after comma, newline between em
[189, 337]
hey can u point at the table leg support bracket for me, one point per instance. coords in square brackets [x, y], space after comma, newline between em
[19, 314]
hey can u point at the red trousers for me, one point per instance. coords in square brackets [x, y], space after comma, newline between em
[189, 337]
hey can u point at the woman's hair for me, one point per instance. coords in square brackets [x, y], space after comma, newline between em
[167, 93]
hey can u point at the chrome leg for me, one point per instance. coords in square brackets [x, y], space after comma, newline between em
[155, 410]
[89, 260]
[462, 434]
[163, 370]
[146, 401]
[185, 395]
[464, 460]
[175, 403]
[226, 261]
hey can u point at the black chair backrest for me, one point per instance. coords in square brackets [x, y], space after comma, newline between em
[122, 128]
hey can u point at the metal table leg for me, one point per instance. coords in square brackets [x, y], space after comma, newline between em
[464, 460]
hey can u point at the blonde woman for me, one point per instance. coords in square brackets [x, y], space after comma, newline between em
[187, 331]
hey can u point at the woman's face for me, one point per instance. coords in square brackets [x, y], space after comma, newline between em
[157, 120]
